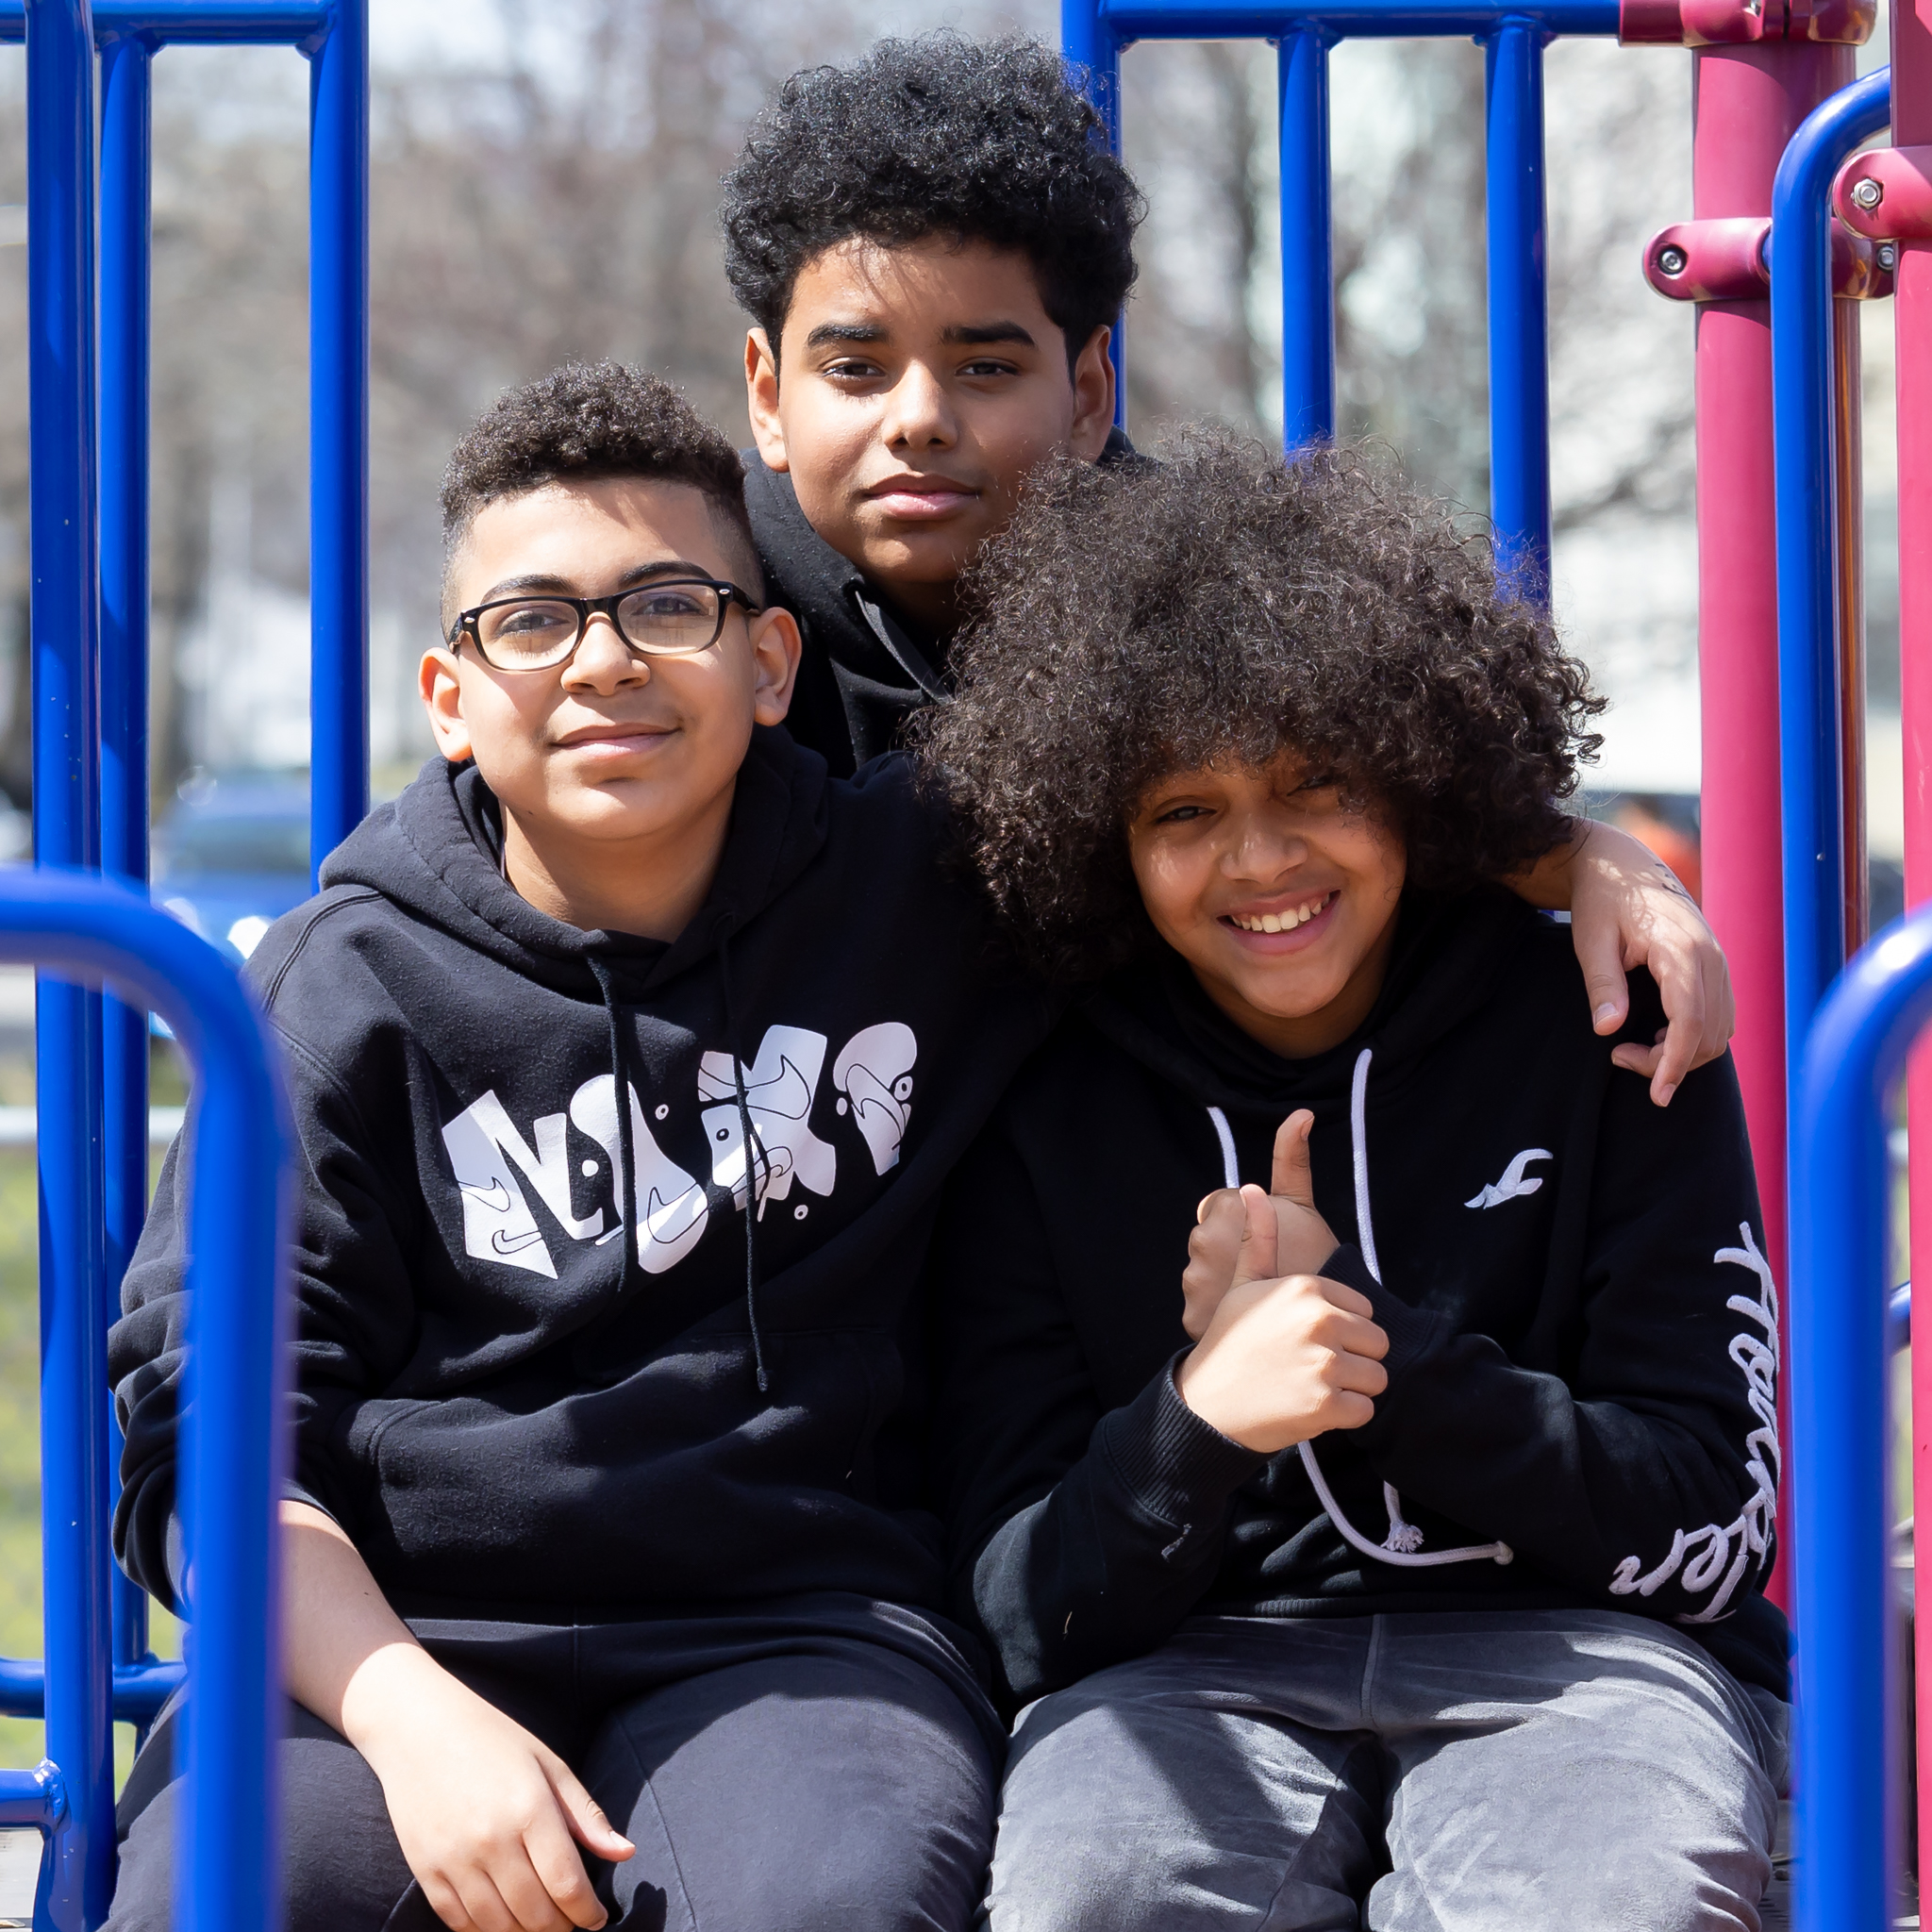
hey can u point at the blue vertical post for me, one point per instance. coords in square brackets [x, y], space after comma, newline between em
[1519, 317]
[1308, 259]
[1090, 47]
[1848, 1810]
[1803, 382]
[126, 73]
[339, 429]
[65, 640]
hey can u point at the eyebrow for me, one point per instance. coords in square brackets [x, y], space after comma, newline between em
[844, 332]
[542, 582]
[976, 333]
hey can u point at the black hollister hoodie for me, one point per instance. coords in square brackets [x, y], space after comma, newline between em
[503, 1400]
[1582, 1328]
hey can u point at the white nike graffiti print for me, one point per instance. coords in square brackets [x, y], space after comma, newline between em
[484, 1146]
[1513, 1183]
[670, 1209]
[778, 1087]
[875, 1073]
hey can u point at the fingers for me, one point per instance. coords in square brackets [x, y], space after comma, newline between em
[585, 1816]
[1295, 1178]
[1351, 1301]
[1256, 1261]
[1348, 1411]
[557, 1871]
[1600, 953]
[1213, 1249]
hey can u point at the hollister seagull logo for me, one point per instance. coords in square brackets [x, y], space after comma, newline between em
[493, 1164]
[1513, 1184]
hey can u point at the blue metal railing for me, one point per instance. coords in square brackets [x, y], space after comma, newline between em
[1804, 381]
[1848, 1799]
[1093, 34]
[88, 514]
[233, 1435]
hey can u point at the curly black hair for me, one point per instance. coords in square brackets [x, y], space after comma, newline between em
[1226, 604]
[591, 420]
[978, 140]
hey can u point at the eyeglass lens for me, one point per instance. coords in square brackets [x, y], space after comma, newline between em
[667, 619]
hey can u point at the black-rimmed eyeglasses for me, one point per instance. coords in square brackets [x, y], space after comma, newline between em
[674, 617]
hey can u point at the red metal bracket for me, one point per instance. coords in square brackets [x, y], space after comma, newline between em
[1725, 262]
[1887, 193]
[1735, 23]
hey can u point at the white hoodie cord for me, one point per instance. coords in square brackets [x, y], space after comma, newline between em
[1403, 1546]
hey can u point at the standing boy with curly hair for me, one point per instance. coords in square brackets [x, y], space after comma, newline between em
[1400, 1563]
[934, 246]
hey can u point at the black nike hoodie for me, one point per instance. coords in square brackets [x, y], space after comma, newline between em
[1582, 1327]
[500, 1398]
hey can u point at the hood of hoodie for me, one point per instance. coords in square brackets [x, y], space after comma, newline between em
[436, 853]
[1442, 968]
[865, 668]
[607, 1246]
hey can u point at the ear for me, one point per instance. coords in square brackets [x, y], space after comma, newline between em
[762, 399]
[1093, 398]
[440, 681]
[774, 651]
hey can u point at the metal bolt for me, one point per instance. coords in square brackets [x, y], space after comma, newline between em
[1672, 261]
[1888, 256]
[1867, 194]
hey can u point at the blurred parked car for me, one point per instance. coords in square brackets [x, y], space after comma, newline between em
[231, 856]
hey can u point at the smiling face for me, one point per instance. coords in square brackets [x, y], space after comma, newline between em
[915, 387]
[1282, 901]
[613, 770]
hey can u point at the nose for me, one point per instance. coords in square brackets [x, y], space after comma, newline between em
[1267, 845]
[919, 413]
[604, 662]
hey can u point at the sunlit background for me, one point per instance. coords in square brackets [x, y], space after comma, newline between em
[543, 187]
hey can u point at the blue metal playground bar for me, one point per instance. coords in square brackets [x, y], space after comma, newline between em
[1803, 378]
[1094, 32]
[1847, 1712]
[88, 514]
[233, 1432]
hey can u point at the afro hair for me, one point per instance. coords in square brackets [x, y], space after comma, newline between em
[588, 420]
[1226, 604]
[939, 136]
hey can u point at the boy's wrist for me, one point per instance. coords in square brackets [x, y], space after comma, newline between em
[387, 1694]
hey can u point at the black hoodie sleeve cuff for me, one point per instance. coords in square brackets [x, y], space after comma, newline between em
[1175, 1465]
[1412, 1332]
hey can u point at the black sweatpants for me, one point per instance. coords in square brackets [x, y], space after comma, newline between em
[826, 1763]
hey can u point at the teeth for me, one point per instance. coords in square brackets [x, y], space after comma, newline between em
[1284, 922]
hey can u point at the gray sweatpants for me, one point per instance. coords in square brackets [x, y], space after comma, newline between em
[1555, 1771]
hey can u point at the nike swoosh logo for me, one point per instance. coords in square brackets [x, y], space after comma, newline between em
[512, 1244]
[495, 1197]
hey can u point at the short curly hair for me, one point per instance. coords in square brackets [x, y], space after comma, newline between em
[586, 420]
[1226, 604]
[978, 140]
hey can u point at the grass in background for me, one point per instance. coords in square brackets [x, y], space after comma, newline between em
[19, 1419]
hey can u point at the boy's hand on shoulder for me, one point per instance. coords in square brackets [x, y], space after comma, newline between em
[488, 1817]
[1243, 1234]
[1628, 909]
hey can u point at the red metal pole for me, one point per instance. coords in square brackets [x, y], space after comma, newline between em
[1911, 126]
[1747, 103]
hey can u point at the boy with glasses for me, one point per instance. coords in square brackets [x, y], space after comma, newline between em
[622, 1121]
[933, 247]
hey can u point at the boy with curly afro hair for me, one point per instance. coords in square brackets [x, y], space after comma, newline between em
[933, 247]
[1400, 1563]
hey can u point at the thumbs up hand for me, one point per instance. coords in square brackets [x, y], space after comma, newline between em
[1242, 1234]
[1302, 1240]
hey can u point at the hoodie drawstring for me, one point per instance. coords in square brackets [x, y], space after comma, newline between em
[627, 1152]
[754, 1183]
[1403, 1546]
